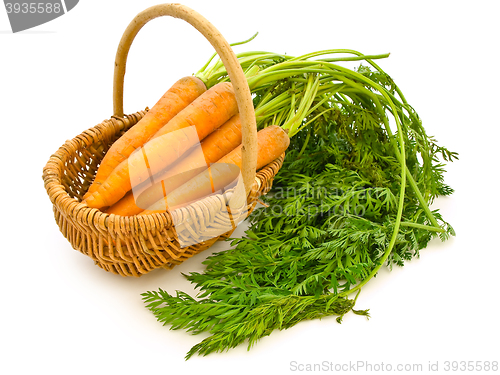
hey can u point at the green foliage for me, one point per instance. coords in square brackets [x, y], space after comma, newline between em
[233, 323]
[335, 215]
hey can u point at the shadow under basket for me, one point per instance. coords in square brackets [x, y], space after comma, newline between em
[133, 245]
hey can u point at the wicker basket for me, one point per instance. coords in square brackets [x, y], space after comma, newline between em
[135, 245]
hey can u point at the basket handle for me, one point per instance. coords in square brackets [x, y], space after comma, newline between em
[225, 52]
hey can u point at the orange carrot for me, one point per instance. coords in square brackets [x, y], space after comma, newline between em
[212, 109]
[182, 93]
[128, 206]
[205, 114]
[152, 157]
[125, 206]
[272, 142]
[219, 143]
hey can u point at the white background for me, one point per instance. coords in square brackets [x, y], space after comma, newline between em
[63, 315]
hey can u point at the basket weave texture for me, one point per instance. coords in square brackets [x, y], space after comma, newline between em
[129, 245]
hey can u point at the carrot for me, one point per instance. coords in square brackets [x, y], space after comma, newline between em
[212, 109]
[219, 143]
[129, 206]
[272, 142]
[152, 157]
[181, 94]
[205, 114]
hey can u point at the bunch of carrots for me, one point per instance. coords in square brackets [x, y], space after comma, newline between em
[180, 151]
[290, 94]
[179, 168]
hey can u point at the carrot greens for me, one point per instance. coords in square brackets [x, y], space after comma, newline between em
[352, 196]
